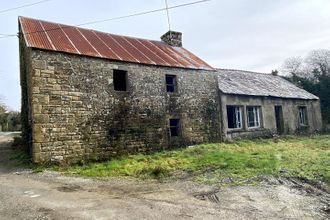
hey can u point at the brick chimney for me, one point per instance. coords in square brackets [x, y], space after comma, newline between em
[172, 38]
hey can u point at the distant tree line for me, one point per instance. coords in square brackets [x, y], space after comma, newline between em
[312, 73]
[9, 120]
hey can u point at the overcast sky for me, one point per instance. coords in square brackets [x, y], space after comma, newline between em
[255, 35]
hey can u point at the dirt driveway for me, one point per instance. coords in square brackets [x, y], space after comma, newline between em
[50, 195]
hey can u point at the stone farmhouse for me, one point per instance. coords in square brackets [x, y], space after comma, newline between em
[89, 95]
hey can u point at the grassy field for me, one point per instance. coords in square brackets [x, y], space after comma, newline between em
[306, 157]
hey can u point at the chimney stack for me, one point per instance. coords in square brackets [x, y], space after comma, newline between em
[172, 38]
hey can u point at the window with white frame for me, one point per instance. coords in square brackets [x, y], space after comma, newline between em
[234, 116]
[253, 116]
[302, 115]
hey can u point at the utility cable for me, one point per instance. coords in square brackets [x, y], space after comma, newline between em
[168, 15]
[109, 19]
[23, 6]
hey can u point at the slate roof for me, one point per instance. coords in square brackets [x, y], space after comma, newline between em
[64, 38]
[240, 82]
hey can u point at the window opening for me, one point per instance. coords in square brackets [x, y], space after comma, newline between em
[234, 116]
[120, 80]
[253, 116]
[302, 115]
[171, 84]
[174, 127]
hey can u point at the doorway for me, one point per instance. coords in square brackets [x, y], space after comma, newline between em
[279, 119]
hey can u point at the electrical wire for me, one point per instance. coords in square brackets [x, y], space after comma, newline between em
[8, 35]
[142, 13]
[110, 19]
[23, 6]
[168, 15]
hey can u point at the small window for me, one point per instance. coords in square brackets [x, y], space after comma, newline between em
[171, 84]
[174, 127]
[253, 116]
[234, 116]
[302, 115]
[120, 80]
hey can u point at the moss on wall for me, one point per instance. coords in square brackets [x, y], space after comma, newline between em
[79, 116]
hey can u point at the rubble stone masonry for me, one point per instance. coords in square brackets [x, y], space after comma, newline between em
[74, 114]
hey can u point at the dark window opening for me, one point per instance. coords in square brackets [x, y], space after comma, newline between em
[174, 127]
[234, 117]
[303, 115]
[171, 85]
[120, 80]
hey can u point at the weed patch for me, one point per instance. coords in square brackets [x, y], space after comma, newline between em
[304, 157]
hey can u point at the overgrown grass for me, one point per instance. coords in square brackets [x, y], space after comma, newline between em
[306, 157]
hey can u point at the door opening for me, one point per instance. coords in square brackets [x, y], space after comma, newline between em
[279, 119]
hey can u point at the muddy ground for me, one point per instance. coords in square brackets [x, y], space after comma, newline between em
[50, 195]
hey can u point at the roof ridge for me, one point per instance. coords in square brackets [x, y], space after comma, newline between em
[245, 71]
[88, 29]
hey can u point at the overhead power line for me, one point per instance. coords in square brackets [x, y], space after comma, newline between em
[8, 35]
[23, 6]
[168, 15]
[110, 19]
[143, 13]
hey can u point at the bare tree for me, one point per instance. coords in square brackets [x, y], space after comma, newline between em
[293, 66]
[3, 107]
[319, 60]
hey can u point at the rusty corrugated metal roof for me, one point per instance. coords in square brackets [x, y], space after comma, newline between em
[71, 39]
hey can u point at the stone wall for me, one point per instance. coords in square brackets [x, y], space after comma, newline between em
[71, 112]
[268, 121]
[77, 115]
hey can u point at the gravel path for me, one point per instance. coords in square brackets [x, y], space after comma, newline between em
[50, 195]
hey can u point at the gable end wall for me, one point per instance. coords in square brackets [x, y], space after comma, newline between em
[77, 115]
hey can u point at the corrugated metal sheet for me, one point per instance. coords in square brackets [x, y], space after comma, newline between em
[70, 39]
[241, 82]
